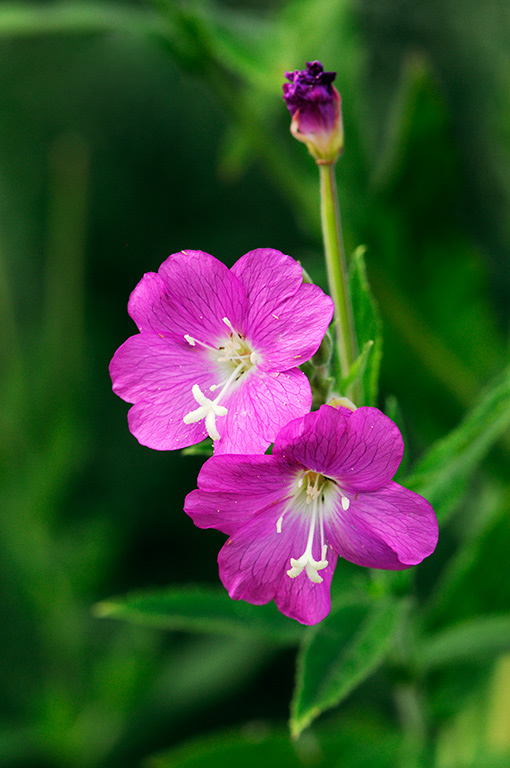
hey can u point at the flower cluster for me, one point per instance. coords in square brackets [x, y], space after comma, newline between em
[217, 355]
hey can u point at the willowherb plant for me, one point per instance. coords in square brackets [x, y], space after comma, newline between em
[218, 354]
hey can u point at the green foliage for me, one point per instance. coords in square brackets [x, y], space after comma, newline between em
[484, 636]
[368, 330]
[81, 18]
[443, 475]
[358, 369]
[339, 654]
[205, 448]
[258, 742]
[469, 584]
[203, 609]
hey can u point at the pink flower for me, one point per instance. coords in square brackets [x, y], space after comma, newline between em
[325, 492]
[218, 350]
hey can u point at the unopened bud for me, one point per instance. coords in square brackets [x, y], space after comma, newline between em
[315, 106]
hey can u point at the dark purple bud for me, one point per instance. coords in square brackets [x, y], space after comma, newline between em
[314, 104]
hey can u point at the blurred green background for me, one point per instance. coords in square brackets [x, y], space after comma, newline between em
[129, 131]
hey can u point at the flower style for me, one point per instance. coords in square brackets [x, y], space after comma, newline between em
[315, 106]
[218, 350]
[326, 491]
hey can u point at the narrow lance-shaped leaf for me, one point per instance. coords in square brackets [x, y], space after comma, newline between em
[368, 327]
[259, 744]
[342, 652]
[442, 475]
[358, 368]
[202, 609]
[482, 635]
[31, 20]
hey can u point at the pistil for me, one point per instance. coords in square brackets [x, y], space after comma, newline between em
[307, 561]
[234, 351]
[208, 409]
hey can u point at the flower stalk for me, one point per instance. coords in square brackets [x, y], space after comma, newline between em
[345, 334]
[315, 106]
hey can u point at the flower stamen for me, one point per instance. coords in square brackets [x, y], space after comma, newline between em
[193, 342]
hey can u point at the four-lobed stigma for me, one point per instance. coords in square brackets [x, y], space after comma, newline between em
[237, 359]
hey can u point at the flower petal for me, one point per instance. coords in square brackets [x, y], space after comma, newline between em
[314, 440]
[362, 450]
[302, 599]
[233, 489]
[268, 277]
[292, 332]
[157, 375]
[287, 319]
[254, 563]
[260, 407]
[371, 452]
[191, 294]
[255, 559]
[393, 528]
[226, 512]
[246, 475]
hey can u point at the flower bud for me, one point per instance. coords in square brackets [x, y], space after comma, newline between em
[315, 106]
[337, 401]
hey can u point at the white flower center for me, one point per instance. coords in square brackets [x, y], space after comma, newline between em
[315, 488]
[236, 359]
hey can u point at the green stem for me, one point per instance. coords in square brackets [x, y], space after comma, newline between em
[346, 343]
[410, 709]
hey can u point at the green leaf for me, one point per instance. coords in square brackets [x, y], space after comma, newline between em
[469, 583]
[368, 327]
[231, 749]
[442, 475]
[358, 368]
[342, 652]
[205, 448]
[261, 744]
[197, 608]
[483, 635]
[32, 20]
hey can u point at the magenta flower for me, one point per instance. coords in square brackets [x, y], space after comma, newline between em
[315, 106]
[325, 492]
[218, 350]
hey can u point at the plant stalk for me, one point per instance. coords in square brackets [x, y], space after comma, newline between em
[345, 334]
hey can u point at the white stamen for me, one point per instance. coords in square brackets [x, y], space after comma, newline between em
[254, 358]
[279, 522]
[345, 503]
[193, 342]
[229, 324]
